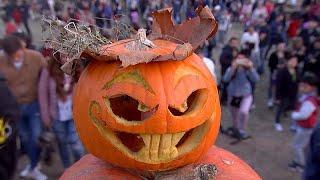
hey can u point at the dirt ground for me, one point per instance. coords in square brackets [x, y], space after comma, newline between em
[268, 152]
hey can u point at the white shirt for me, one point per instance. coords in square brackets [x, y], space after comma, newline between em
[251, 38]
[65, 109]
[210, 66]
[260, 12]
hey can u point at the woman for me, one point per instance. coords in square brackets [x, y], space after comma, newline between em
[276, 60]
[259, 14]
[250, 36]
[56, 110]
[286, 88]
[240, 76]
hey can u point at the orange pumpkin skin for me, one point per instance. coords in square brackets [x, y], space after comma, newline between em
[228, 165]
[89, 167]
[156, 84]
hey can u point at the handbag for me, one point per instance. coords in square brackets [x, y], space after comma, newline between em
[236, 101]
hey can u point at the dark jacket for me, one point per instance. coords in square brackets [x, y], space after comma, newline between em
[286, 85]
[9, 116]
[274, 61]
[226, 58]
[312, 168]
[313, 62]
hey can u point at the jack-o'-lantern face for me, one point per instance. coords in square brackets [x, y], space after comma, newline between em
[154, 116]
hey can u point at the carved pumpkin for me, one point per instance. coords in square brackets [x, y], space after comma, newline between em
[154, 116]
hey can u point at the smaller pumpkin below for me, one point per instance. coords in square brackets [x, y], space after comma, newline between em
[227, 165]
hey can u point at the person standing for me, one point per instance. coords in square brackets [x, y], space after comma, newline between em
[305, 117]
[251, 36]
[263, 45]
[240, 75]
[24, 8]
[9, 117]
[224, 24]
[227, 55]
[276, 60]
[260, 13]
[277, 31]
[55, 98]
[21, 67]
[312, 61]
[286, 88]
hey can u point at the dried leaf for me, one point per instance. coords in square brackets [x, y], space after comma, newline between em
[162, 51]
[194, 31]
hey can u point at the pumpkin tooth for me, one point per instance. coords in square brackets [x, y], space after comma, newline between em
[154, 148]
[165, 146]
[146, 139]
[176, 138]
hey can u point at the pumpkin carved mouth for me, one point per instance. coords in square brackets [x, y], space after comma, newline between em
[155, 148]
[150, 148]
[136, 142]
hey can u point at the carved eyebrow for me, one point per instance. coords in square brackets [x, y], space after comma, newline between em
[184, 72]
[131, 76]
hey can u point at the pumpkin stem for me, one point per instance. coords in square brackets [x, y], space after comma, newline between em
[142, 38]
[141, 42]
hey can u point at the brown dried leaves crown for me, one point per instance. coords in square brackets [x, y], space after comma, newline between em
[76, 40]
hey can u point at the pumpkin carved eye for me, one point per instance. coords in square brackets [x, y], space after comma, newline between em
[129, 109]
[189, 104]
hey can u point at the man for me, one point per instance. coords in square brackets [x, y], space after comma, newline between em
[226, 57]
[21, 67]
[9, 116]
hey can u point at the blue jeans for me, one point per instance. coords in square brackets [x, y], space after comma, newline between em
[263, 55]
[68, 139]
[30, 129]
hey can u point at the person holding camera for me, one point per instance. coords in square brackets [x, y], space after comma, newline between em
[240, 76]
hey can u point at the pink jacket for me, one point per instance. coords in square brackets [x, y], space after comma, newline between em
[47, 97]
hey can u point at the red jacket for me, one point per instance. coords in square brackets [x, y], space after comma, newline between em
[293, 28]
[311, 121]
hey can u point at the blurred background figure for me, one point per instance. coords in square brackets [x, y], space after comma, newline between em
[21, 67]
[287, 79]
[239, 77]
[10, 115]
[55, 92]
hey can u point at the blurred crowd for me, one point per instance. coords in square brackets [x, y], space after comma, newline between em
[280, 43]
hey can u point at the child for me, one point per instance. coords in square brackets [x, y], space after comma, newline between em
[305, 117]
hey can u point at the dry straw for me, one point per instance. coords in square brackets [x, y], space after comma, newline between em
[72, 38]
